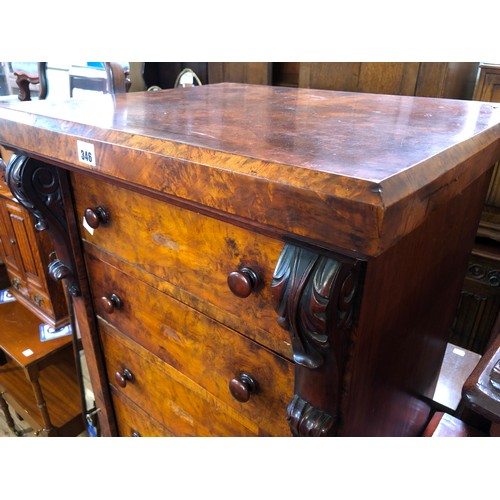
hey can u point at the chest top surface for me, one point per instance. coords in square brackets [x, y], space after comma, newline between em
[358, 157]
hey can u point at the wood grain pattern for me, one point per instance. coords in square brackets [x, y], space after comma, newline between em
[267, 155]
[184, 408]
[193, 252]
[27, 252]
[134, 422]
[392, 184]
[202, 349]
[39, 380]
[19, 331]
[405, 321]
[60, 391]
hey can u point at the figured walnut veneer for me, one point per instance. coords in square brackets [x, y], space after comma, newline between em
[262, 261]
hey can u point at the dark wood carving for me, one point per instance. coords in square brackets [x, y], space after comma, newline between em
[306, 420]
[24, 80]
[315, 298]
[36, 186]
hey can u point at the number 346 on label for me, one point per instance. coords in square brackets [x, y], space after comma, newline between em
[86, 153]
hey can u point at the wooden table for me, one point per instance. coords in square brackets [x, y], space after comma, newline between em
[39, 379]
[287, 261]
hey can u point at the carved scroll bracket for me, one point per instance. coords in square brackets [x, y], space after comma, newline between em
[315, 297]
[36, 186]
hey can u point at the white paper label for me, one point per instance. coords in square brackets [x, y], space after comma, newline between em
[28, 352]
[87, 227]
[459, 352]
[86, 153]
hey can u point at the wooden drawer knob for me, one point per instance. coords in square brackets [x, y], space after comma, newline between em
[123, 377]
[242, 387]
[111, 303]
[96, 216]
[243, 282]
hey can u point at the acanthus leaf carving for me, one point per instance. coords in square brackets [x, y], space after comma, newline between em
[36, 186]
[315, 297]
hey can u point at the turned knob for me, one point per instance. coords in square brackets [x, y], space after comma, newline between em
[96, 216]
[242, 387]
[243, 282]
[111, 303]
[58, 270]
[123, 377]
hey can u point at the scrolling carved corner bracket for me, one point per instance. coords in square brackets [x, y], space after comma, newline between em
[36, 186]
[315, 297]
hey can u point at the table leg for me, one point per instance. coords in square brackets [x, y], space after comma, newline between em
[32, 374]
[8, 416]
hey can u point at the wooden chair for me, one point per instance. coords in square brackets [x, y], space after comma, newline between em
[110, 78]
[481, 391]
[25, 80]
[480, 399]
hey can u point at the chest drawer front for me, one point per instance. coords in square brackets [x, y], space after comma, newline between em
[132, 421]
[170, 398]
[193, 252]
[206, 351]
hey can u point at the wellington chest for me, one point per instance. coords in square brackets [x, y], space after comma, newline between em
[251, 260]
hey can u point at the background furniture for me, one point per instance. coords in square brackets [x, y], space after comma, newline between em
[428, 79]
[235, 270]
[106, 77]
[27, 253]
[22, 79]
[37, 379]
[482, 389]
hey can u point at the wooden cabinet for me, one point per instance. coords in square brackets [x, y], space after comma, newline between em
[38, 380]
[480, 298]
[488, 83]
[488, 89]
[26, 253]
[259, 260]
[454, 80]
[426, 79]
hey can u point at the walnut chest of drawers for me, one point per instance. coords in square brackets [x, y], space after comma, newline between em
[250, 260]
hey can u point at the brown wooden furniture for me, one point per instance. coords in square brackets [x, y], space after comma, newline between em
[481, 391]
[488, 89]
[446, 425]
[26, 79]
[38, 379]
[112, 78]
[426, 79]
[480, 298]
[258, 260]
[27, 253]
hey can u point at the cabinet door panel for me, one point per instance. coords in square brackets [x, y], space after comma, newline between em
[11, 255]
[26, 244]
